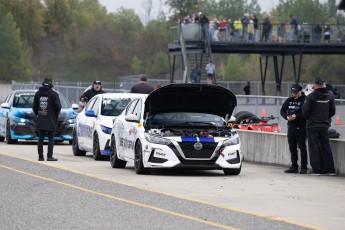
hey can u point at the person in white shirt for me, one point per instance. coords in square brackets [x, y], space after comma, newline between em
[211, 72]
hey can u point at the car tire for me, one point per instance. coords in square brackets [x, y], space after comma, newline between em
[96, 149]
[9, 140]
[2, 139]
[115, 162]
[75, 146]
[240, 116]
[138, 160]
[232, 171]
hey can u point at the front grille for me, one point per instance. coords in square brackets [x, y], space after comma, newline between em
[22, 130]
[190, 152]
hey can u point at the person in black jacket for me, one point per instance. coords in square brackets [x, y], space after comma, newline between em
[47, 107]
[291, 111]
[95, 90]
[318, 110]
[142, 86]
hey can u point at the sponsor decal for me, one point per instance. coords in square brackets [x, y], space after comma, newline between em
[159, 154]
[132, 130]
[126, 143]
[209, 139]
[189, 139]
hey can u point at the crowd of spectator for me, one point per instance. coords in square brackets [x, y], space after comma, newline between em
[248, 29]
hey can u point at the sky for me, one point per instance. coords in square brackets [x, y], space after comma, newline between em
[114, 5]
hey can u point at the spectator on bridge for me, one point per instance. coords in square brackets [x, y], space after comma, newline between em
[306, 29]
[327, 34]
[317, 34]
[245, 22]
[318, 109]
[294, 27]
[291, 111]
[95, 90]
[251, 31]
[211, 72]
[288, 32]
[142, 86]
[266, 29]
[238, 29]
[256, 28]
[222, 30]
[281, 32]
[229, 31]
[196, 73]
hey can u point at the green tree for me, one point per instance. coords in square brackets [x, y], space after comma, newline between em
[14, 54]
[234, 68]
[58, 17]
[181, 8]
[127, 22]
[311, 11]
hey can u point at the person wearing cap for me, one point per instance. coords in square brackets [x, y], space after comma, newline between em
[291, 111]
[318, 110]
[142, 86]
[95, 90]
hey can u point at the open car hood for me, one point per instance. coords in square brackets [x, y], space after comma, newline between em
[197, 98]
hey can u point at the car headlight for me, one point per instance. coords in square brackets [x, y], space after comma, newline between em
[231, 141]
[71, 121]
[19, 120]
[157, 139]
[105, 129]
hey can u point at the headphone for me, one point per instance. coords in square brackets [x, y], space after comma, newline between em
[48, 82]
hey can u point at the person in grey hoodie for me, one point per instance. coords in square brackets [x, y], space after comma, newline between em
[318, 109]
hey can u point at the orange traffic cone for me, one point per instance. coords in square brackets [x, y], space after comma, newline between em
[338, 121]
[263, 113]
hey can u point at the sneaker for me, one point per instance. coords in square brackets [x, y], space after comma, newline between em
[291, 170]
[40, 158]
[303, 171]
[52, 159]
[330, 173]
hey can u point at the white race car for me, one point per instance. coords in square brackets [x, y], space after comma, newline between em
[178, 125]
[94, 123]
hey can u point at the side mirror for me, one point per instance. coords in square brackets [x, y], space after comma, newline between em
[131, 118]
[5, 105]
[75, 106]
[90, 113]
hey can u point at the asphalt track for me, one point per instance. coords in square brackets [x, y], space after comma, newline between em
[80, 193]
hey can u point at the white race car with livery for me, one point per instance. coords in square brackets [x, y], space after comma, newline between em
[94, 123]
[178, 126]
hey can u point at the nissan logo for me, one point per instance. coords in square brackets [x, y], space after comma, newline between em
[198, 146]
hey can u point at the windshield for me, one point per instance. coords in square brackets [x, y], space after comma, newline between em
[185, 118]
[26, 100]
[114, 106]
[23, 100]
[63, 101]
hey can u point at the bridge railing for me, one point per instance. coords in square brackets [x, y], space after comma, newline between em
[272, 33]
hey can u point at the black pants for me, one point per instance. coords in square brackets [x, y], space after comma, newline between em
[42, 134]
[320, 153]
[297, 136]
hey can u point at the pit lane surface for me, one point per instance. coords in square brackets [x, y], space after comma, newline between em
[78, 192]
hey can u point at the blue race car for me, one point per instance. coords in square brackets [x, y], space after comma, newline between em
[18, 121]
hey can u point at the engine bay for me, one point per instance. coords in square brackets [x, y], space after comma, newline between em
[188, 132]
